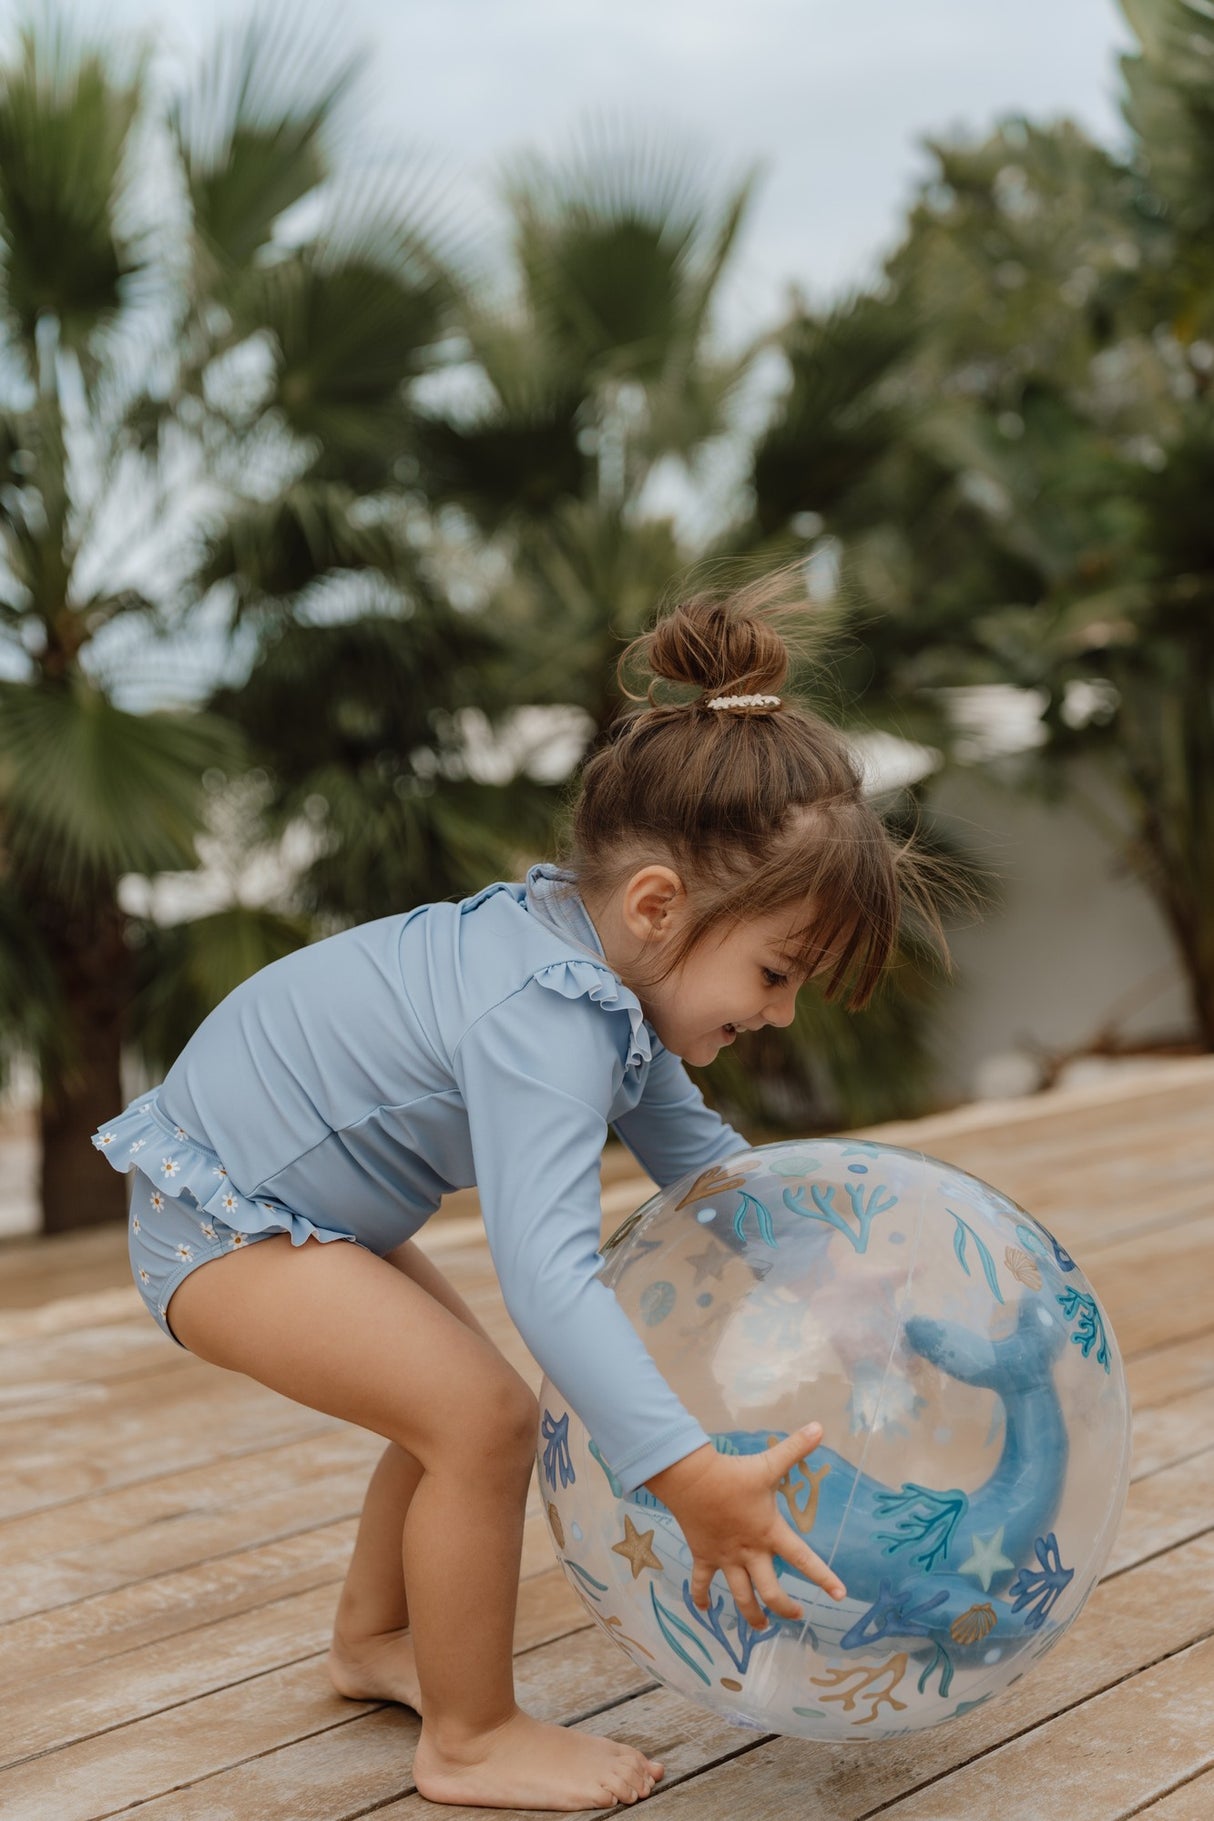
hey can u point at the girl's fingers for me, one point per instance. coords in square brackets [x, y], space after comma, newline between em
[783, 1456]
[744, 1599]
[812, 1566]
[772, 1594]
[701, 1581]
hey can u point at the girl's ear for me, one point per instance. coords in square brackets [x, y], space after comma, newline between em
[653, 902]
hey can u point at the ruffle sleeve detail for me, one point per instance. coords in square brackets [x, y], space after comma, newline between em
[587, 980]
[145, 1138]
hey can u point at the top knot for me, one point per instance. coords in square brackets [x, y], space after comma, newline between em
[725, 647]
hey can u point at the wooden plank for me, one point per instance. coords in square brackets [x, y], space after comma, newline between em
[1091, 1759]
[234, 1724]
[1193, 1801]
[60, 1709]
[1117, 1640]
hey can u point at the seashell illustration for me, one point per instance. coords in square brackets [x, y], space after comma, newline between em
[971, 1626]
[558, 1529]
[1023, 1266]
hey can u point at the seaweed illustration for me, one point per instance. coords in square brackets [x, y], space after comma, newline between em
[762, 1216]
[616, 1484]
[587, 1580]
[668, 1623]
[988, 1264]
[942, 1661]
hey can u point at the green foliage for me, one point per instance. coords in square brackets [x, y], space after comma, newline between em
[90, 792]
[185, 969]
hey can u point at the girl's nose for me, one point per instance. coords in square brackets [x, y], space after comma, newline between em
[781, 1011]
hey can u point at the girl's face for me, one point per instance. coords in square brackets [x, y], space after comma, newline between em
[736, 980]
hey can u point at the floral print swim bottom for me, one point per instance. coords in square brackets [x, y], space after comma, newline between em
[169, 1236]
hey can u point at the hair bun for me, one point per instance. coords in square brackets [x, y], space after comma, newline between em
[724, 647]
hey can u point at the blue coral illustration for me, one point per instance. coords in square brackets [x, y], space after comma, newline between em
[1089, 1330]
[747, 1636]
[866, 1203]
[1041, 1591]
[557, 1458]
[927, 1516]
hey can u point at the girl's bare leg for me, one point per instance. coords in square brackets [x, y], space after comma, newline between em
[372, 1655]
[338, 1329]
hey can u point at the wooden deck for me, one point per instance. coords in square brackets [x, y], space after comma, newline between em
[173, 1537]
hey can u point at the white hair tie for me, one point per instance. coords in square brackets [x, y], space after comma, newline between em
[744, 702]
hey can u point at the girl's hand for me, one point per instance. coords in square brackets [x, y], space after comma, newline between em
[725, 1505]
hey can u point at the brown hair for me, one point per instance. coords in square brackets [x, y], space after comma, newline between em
[755, 808]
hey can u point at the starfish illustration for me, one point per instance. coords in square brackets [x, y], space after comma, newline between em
[708, 1263]
[637, 1546]
[988, 1558]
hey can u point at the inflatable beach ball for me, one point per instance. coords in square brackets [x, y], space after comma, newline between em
[976, 1436]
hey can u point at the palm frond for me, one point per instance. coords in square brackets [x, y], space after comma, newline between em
[254, 132]
[89, 791]
[65, 123]
[269, 551]
[619, 248]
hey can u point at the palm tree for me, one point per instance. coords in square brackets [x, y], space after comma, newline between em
[1033, 509]
[596, 370]
[197, 406]
[593, 365]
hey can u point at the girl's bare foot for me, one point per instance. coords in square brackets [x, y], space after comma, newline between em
[380, 1668]
[525, 1763]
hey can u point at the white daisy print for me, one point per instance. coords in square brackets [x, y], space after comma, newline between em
[219, 1171]
[169, 1166]
[267, 1205]
[135, 1222]
[144, 1276]
[208, 1230]
[184, 1251]
[163, 1314]
[240, 1239]
[106, 1138]
[138, 1145]
[179, 1131]
[229, 1204]
[157, 1200]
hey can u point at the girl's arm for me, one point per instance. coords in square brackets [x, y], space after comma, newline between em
[537, 1073]
[672, 1131]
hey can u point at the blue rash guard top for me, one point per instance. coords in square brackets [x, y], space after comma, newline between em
[345, 1088]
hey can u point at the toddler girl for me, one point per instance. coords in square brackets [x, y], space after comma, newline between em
[722, 853]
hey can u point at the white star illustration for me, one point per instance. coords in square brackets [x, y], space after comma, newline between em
[988, 1558]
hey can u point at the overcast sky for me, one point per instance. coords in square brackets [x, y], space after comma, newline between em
[832, 97]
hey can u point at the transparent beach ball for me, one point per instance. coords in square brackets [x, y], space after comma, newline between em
[976, 1436]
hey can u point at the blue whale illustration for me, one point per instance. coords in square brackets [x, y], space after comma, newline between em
[900, 1551]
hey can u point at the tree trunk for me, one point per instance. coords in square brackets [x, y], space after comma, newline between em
[93, 964]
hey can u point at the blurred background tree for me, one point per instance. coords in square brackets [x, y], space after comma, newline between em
[175, 338]
[1003, 458]
[420, 504]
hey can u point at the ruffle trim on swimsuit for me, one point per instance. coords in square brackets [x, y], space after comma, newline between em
[145, 1138]
[586, 979]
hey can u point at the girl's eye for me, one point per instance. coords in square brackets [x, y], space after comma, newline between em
[774, 979]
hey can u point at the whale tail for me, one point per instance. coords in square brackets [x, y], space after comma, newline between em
[1019, 1361]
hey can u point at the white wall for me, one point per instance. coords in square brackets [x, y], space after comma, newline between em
[1075, 944]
